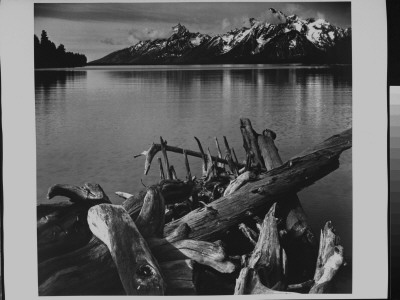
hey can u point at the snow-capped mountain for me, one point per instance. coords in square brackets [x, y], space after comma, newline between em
[292, 40]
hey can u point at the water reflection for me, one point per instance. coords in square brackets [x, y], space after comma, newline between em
[49, 80]
[302, 105]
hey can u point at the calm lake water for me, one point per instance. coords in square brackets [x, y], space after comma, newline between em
[90, 122]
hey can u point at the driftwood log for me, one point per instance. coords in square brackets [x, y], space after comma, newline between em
[191, 239]
[155, 148]
[171, 251]
[210, 222]
[330, 259]
[265, 271]
[138, 270]
[63, 228]
[300, 241]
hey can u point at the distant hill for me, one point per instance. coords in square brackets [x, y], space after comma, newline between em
[293, 40]
[47, 55]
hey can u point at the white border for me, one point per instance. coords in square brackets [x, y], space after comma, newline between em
[370, 193]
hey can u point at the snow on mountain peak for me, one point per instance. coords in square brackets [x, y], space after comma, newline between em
[179, 29]
[278, 14]
[263, 41]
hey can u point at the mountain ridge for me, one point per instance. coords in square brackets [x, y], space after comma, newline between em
[292, 40]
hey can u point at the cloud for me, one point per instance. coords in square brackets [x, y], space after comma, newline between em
[225, 23]
[108, 41]
[320, 15]
[245, 21]
[144, 34]
[292, 8]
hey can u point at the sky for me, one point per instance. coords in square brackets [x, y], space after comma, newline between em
[97, 29]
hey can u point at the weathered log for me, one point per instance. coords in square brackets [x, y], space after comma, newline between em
[73, 273]
[235, 157]
[165, 156]
[187, 166]
[251, 235]
[99, 261]
[300, 241]
[173, 173]
[180, 233]
[172, 190]
[240, 181]
[210, 168]
[176, 191]
[330, 259]
[62, 231]
[124, 195]
[266, 268]
[301, 286]
[79, 266]
[204, 164]
[250, 143]
[221, 165]
[90, 193]
[268, 258]
[64, 228]
[205, 253]
[155, 148]
[138, 270]
[208, 223]
[232, 166]
[249, 283]
[179, 277]
[268, 149]
[337, 140]
[162, 174]
[211, 222]
[152, 215]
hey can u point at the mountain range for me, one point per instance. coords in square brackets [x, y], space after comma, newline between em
[293, 40]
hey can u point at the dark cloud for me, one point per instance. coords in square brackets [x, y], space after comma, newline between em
[197, 14]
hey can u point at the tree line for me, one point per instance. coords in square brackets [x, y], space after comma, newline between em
[47, 55]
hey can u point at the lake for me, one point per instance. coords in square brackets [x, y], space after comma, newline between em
[90, 122]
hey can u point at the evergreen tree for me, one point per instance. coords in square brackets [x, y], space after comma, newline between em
[47, 55]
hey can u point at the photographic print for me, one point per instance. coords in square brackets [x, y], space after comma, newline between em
[199, 148]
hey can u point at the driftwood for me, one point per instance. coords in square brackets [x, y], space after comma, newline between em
[264, 272]
[268, 258]
[330, 259]
[301, 248]
[205, 253]
[251, 235]
[249, 282]
[123, 195]
[190, 240]
[155, 148]
[210, 222]
[179, 277]
[250, 143]
[95, 257]
[221, 165]
[63, 228]
[138, 270]
[240, 181]
[173, 191]
[151, 217]
[266, 268]
[90, 193]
